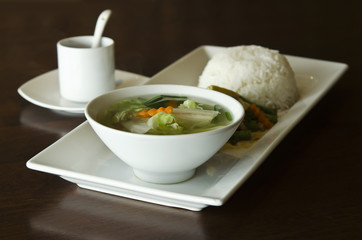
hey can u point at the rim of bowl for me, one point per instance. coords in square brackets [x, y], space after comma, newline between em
[232, 124]
[84, 42]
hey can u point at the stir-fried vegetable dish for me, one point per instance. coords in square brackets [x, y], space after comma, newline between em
[257, 118]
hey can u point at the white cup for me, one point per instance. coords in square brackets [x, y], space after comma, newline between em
[85, 72]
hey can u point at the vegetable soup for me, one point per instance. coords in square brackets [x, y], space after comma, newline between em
[164, 115]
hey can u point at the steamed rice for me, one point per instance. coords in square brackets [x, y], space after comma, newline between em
[259, 74]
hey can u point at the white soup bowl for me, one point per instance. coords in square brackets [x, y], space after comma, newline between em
[164, 159]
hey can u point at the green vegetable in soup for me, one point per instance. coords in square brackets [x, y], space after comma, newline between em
[161, 100]
[124, 109]
[195, 118]
[164, 123]
[190, 104]
[137, 125]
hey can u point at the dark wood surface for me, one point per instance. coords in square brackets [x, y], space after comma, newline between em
[309, 187]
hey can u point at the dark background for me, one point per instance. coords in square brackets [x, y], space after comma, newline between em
[308, 188]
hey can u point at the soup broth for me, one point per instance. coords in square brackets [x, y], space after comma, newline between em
[164, 115]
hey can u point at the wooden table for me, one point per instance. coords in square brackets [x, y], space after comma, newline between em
[309, 187]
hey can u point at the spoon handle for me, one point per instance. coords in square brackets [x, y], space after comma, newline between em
[100, 25]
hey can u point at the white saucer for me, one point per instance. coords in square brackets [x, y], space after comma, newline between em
[43, 90]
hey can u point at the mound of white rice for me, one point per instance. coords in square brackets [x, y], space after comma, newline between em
[259, 74]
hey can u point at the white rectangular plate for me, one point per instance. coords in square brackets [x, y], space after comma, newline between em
[82, 158]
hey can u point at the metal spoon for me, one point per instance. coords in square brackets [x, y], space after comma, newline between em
[100, 25]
